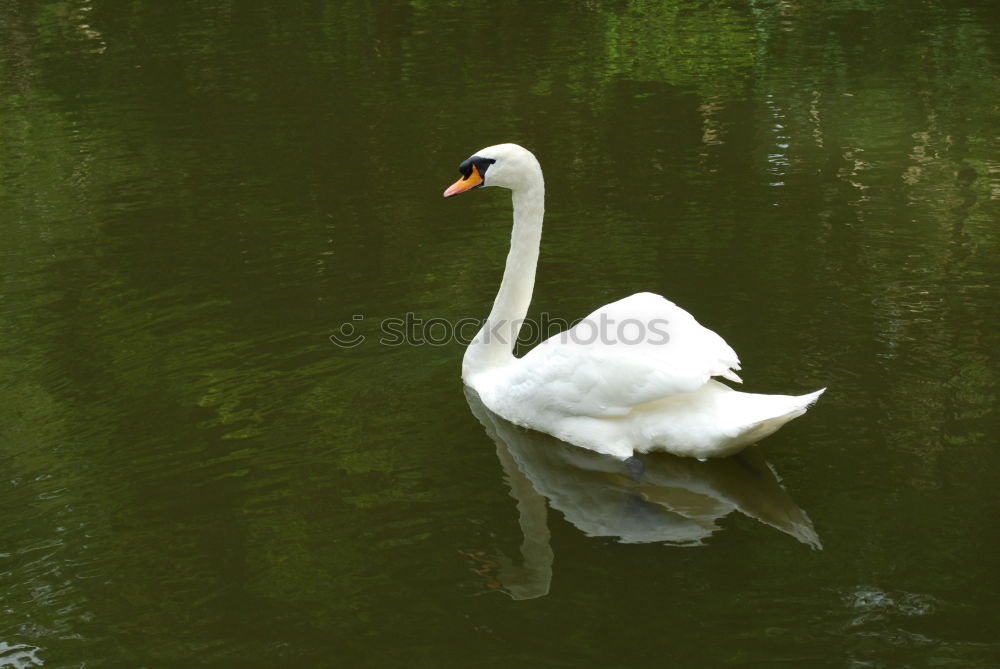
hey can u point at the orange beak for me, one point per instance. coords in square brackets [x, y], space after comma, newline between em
[465, 183]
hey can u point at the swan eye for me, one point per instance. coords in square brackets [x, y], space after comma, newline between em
[481, 165]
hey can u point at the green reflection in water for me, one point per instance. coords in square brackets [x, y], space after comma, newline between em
[194, 196]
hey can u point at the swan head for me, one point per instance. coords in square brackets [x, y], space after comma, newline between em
[505, 165]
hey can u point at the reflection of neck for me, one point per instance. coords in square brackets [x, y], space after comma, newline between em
[533, 576]
[494, 345]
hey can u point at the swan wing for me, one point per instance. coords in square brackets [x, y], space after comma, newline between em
[636, 350]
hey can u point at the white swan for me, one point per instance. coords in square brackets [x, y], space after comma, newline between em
[634, 376]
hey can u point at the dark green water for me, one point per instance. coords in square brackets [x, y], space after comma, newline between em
[195, 195]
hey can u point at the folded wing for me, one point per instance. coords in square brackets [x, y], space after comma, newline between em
[639, 349]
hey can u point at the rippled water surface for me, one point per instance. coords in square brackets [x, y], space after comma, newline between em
[194, 196]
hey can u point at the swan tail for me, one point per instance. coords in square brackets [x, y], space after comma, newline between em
[714, 422]
[771, 412]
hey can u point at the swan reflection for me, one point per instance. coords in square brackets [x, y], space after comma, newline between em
[678, 500]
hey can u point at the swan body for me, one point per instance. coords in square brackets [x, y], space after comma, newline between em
[635, 376]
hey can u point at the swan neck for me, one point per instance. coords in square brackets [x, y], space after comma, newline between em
[494, 345]
[514, 297]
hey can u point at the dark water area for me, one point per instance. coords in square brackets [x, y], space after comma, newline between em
[194, 196]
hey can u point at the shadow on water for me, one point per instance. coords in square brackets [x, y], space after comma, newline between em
[678, 501]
